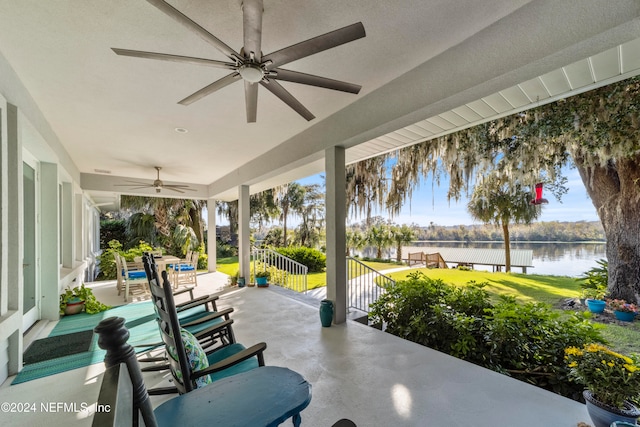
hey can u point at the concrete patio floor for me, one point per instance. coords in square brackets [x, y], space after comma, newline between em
[357, 372]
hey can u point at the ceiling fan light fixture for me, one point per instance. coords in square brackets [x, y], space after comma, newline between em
[251, 73]
[250, 65]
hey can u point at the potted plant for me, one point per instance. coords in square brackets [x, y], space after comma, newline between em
[595, 298]
[80, 298]
[262, 277]
[612, 382]
[623, 310]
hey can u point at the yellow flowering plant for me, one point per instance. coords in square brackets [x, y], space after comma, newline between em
[612, 378]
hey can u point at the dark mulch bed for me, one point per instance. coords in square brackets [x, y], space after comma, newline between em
[606, 317]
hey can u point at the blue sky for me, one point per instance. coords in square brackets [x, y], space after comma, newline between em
[430, 204]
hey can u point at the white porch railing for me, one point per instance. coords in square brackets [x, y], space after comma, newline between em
[365, 284]
[284, 271]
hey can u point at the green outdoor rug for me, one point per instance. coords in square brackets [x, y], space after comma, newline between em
[143, 329]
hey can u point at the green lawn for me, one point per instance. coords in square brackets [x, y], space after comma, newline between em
[525, 287]
[227, 265]
[230, 266]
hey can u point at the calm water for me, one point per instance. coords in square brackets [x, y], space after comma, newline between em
[560, 259]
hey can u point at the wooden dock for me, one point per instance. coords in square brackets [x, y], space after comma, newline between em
[521, 258]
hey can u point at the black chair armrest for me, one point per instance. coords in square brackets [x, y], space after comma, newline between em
[223, 313]
[253, 351]
[182, 291]
[206, 299]
[214, 329]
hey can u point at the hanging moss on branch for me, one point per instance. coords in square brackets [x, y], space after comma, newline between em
[598, 130]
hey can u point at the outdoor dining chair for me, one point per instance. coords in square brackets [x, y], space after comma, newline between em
[185, 272]
[129, 281]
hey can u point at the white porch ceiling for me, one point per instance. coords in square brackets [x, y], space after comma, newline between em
[615, 64]
[427, 67]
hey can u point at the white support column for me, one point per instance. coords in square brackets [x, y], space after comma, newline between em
[211, 234]
[243, 232]
[67, 224]
[49, 243]
[336, 224]
[4, 216]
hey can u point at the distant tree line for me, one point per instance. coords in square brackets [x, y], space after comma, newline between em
[552, 231]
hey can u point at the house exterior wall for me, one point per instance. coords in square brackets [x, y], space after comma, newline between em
[67, 223]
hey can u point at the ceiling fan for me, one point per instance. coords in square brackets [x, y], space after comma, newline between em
[251, 66]
[157, 184]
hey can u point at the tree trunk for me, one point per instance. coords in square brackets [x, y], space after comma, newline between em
[507, 247]
[196, 224]
[399, 252]
[615, 193]
[285, 212]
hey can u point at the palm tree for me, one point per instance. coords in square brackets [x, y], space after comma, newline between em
[379, 236]
[290, 198]
[167, 214]
[355, 240]
[141, 226]
[263, 207]
[501, 202]
[401, 235]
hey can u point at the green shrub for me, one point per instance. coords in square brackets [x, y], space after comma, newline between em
[527, 341]
[203, 261]
[224, 250]
[137, 251]
[112, 229]
[524, 341]
[315, 260]
[596, 277]
[106, 260]
[434, 314]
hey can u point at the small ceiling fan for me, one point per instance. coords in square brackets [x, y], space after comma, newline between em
[251, 66]
[157, 184]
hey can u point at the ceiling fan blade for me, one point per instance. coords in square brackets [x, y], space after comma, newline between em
[315, 45]
[173, 189]
[251, 100]
[132, 183]
[277, 89]
[252, 24]
[207, 90]
[309, 79]
[187, 22]
[173, 58]
[134, 187]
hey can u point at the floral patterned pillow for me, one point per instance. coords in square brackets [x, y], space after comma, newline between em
[196, 358]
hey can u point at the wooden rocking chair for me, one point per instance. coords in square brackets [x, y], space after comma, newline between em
[262, 397]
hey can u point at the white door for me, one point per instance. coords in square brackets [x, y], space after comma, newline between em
[30, 263]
